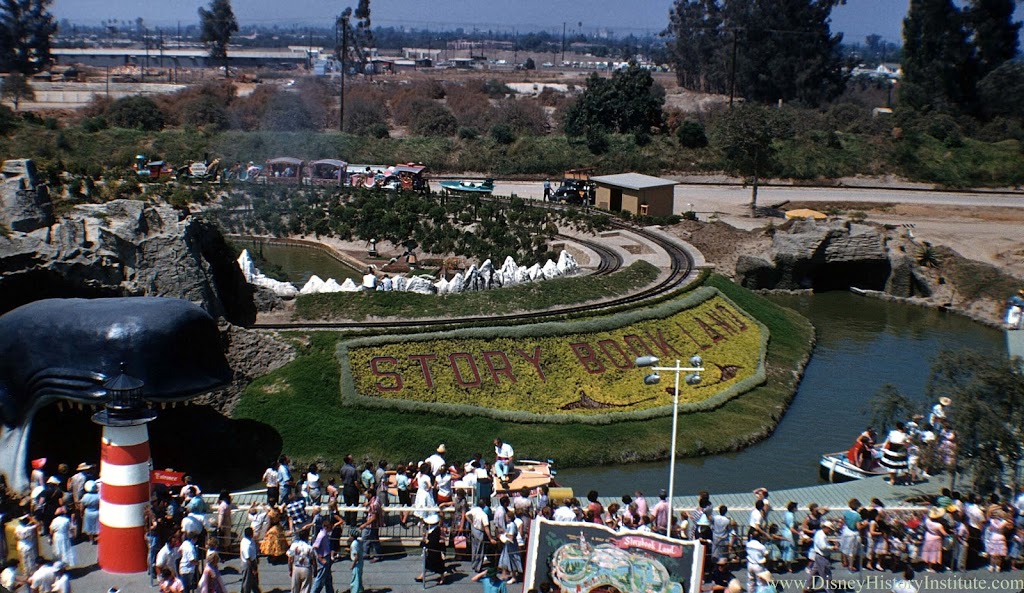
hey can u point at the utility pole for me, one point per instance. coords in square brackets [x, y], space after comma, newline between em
[732, 70]
[341, 94]
[563, 42]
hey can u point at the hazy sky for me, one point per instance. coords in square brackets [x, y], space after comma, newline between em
[857, 19]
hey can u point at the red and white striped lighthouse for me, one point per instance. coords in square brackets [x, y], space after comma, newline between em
[124, 476]
[124, 494]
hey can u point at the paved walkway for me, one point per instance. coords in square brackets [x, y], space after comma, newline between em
[396, 574]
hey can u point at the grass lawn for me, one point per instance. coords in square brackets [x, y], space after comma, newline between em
[302, 402]
[535, 296]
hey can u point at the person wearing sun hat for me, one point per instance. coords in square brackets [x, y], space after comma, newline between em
[721, 576]
[433, 550]
[934, 533]
[91, 511]
[938, 414]
[436, 461]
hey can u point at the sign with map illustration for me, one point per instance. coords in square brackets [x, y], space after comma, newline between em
[591, 558]
[565, 371]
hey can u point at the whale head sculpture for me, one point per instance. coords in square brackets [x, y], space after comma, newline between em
[66, 349]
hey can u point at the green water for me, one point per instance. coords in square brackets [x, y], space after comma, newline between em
[862, 344]
[299, 264]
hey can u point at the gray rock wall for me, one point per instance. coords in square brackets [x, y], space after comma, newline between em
[24, 202]
[125, 248]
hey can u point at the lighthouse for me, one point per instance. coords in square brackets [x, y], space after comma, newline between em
[124, 475]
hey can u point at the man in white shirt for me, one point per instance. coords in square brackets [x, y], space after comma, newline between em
[480, 533]
[503, 459]
[436, 461]
[273, 490]
[757, 555]
[43, 578]
[187, 564]
[249, 556]
[565, 513]
[820, 559]
[757, 519]
[168, 556]
[300, 564]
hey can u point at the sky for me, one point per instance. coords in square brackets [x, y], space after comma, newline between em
[857, 19]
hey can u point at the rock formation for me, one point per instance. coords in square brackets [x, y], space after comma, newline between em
[121, 248]
[819, 256]
[24, 202]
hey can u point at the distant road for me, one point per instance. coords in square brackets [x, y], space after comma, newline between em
[726, 198]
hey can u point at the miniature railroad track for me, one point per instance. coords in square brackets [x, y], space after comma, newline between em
[681, 265]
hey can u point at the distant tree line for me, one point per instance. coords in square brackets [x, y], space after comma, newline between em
[958, 60]
[759, 49]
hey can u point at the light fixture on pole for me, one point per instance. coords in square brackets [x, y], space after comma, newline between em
[692, 378]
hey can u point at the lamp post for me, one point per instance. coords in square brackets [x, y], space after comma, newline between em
[693, 378]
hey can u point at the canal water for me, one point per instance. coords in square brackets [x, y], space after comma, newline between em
[862, 344]
[300, 263]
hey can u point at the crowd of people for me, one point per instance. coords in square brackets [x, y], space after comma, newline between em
[310, 524]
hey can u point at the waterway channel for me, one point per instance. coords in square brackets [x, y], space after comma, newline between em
[862, 344]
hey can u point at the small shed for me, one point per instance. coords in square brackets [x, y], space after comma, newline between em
[639, 194]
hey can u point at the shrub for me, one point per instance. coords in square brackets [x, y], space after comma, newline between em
[379, 131]
[522, 116]
[496, 89]
[205, 111]
[691, 135]
[365, 111]
[467, 133]
[471, 106]
[247, 112]
[136, 112]
[943, 127]
[503, 134]
[284, 112]
[597, 141]
[434, 120]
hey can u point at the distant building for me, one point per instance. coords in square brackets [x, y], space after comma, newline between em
[642, 195]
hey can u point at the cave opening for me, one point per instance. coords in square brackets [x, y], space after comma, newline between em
[218, 452]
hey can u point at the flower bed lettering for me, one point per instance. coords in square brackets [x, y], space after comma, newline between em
[572, 369]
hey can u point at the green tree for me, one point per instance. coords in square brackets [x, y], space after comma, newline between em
[776, 49]
[938, 65]
[627, 102]
[136, 112]
[700, 45]
[26, 27]
[1000, 92]
[747, 137]
[17, 89]
[987, 412]
[994, 33]
[218, 25]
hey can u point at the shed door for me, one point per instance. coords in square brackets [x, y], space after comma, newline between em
[616, 205]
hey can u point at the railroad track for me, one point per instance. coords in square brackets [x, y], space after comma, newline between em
[681, 265]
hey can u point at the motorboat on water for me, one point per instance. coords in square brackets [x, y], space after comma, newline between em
[837, 467]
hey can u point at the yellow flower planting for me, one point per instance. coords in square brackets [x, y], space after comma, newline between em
[563, 370]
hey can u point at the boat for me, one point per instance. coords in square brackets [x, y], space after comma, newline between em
[469, 187]
[527, 473]
[837, 467]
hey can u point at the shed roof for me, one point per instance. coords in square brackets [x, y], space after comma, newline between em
[633, 181]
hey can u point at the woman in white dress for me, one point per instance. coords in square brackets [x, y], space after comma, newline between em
[424, 492]
[60, 530]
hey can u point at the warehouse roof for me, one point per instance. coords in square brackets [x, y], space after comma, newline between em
[633, 181]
